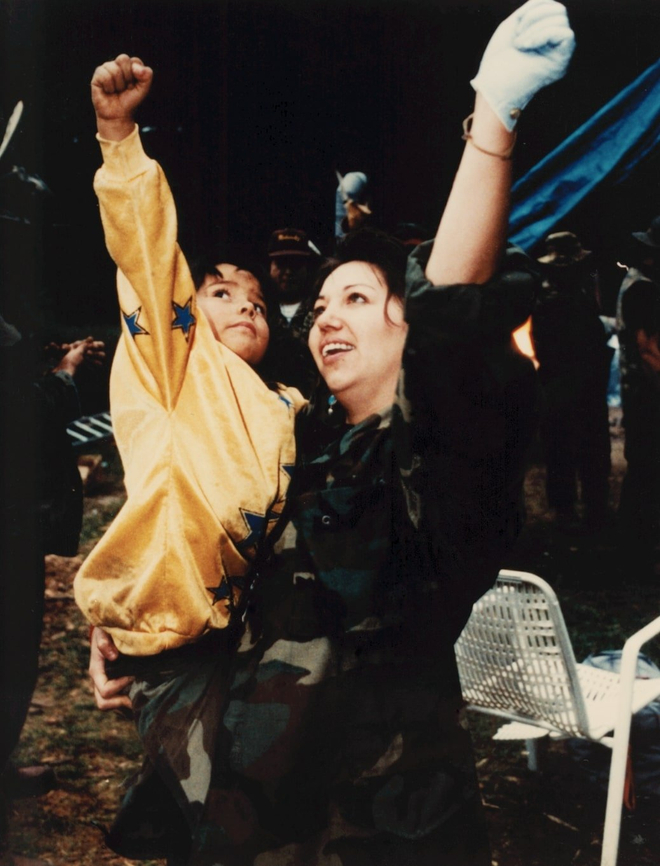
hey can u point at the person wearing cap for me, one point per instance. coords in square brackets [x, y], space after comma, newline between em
[293, 260]
[289, 252]
[571, 347]
[638, 326]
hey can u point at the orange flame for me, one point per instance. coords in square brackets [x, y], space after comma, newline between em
[522, 337]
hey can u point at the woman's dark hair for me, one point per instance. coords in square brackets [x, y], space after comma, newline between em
[375, 248]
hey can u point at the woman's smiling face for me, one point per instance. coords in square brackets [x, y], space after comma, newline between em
[357, 338]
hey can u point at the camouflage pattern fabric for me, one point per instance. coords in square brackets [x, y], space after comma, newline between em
[177, 701]
[342, 740]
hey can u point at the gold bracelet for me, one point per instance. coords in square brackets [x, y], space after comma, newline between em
[467, 136]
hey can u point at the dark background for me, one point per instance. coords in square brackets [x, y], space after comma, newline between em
[255, 103]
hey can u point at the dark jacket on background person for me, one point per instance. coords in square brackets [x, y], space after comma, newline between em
[288, 359]
[574, 362]
[40, 513]
[639, 506]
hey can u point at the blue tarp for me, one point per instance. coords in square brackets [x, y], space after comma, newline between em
[607, 147]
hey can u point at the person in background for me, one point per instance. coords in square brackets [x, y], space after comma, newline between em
[41, 513]
[570, 343]
[352, 203]
[293, 261]
[638, 321]
[40, 487]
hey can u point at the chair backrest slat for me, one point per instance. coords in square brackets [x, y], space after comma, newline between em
[515, 657]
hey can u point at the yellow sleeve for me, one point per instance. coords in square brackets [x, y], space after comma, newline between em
[156, 291]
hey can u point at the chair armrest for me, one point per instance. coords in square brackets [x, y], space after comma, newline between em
[629, 656]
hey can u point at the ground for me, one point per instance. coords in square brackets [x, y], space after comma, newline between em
[552, 818]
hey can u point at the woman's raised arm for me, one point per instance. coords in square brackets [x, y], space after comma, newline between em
[528, 51]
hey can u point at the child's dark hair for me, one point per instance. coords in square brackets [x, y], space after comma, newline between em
[375, 248]
[205, 264]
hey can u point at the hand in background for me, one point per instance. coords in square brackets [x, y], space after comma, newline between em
[87, 351]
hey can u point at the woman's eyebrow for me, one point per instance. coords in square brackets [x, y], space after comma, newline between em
[359, 286]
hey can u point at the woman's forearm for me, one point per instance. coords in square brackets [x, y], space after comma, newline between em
[529, 50]
[472, 231]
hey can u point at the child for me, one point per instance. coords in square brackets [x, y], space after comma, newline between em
[207, 447]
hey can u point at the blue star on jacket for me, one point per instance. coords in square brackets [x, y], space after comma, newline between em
[287, 402]
[224, 589]
[256, 523]
[131, 321]
[183, 317]
[220, 592]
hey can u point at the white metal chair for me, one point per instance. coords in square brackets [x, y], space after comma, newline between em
[516, 661]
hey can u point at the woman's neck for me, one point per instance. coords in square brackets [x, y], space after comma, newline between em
[362, 404]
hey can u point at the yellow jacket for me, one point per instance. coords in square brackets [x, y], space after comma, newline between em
[207, 447]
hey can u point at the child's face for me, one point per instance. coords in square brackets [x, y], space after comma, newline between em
[234, 304]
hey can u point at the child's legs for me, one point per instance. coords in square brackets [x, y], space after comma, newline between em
[177, 698]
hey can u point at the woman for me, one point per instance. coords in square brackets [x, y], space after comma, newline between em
[341, 739]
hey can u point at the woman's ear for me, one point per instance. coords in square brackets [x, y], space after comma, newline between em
[394, 312]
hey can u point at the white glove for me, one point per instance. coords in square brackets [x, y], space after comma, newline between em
[528, 51]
